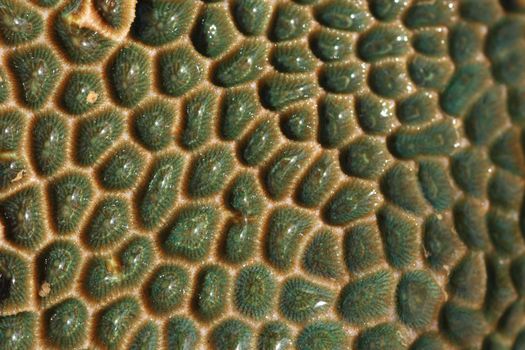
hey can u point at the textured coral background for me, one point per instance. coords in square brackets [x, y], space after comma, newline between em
[257, 174]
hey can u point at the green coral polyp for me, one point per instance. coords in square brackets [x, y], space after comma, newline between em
[13, 280]
[254, 291]
[167, 288]
[66, 323]
[180, 70]
[109, 223]
[82, 92]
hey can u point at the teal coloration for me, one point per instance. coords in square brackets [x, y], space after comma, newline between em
[336, 121]
[428, 341]
[274, 335]
[19, 24]
[432, 74]
[58, 266]
[96, 134]
[116, 320]
[465, 43]
[286, 228]
[83, 92]
[231, 334]
[146, 338]
[485, 117]
[211, 292]
[198, 119]
[342, 78]
[385, 336]
[484, 11]
[504, 231]
[280, 91]
[105, 276]
[22, 216]
[167, 288]
[374, 115]
[439, 243]
[47, 3]
[400, 237]
[342, 15]
[431, 42]
[388, 80]
[12, 126]
[468, 279]
[382, 42]
[159, 22]
[362, 247]
[517, 273]
[49, 137]
[109, 223]
[238, 109]
[153, 123]
[301, 300]
[428, 14]
[213, 33]
[251, 16]
[245, 64]
[321, 255]
[330, 45]
[260, 143]
[418, 299]
[298, 124]
[417, 108]
[14, 279]
[136, 258]
[239, 241]
[470, 171]
[399, 185]
[464, 326]
[70, 195]
[314, 187]
[292, 58]
[503, 35]
[160, 190]
[181, 334]
[254, 291]
[129, 75]
[500, 291]
[192, 231]
[110, 11]
[508, 68]
[386, 10]
[81, 45]
[507, 152]
[365, 157]
[505, 190]
[37, 70]
[245, 196]
[290, 22]
[180, 70]
[283, 169]
[10, 167]
[367, 298]
[65, 324]
[210, 171]
[354, 200]
[462, 87]
[321, 335]
[515, 105]
[470, 225]
[437, 139]
[122, 169]
[17, 331]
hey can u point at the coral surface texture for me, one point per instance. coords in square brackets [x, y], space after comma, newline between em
[262, 174]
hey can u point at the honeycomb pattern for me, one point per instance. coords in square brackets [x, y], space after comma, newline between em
[259, 174]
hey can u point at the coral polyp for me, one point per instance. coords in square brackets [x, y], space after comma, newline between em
[262, 174]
